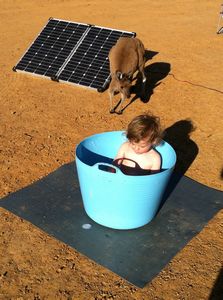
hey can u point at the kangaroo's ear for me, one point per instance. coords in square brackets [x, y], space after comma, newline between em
[119, 75]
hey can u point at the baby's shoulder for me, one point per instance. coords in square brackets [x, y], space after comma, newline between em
[125, 145]
[122, 149]
[154, 154]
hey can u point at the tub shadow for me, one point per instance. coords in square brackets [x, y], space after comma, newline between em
[217, 291]
[154, 73]
[178, 136]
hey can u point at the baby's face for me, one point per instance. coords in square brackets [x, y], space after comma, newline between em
[142, 146]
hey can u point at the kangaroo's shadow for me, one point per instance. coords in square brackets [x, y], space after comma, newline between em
[149, 54]
[178, 136]
[154, 74]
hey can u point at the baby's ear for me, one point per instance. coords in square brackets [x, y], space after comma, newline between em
[155, 142]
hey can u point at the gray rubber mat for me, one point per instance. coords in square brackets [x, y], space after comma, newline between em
[54, 204]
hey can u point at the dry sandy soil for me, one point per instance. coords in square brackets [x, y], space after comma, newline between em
[42, 121]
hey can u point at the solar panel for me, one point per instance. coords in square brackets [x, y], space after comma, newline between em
[72, 52]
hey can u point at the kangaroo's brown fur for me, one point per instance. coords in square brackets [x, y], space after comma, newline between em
[125, 57]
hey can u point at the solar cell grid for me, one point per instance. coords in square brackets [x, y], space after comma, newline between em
[51, 48]
[92, 71]
[72, 52]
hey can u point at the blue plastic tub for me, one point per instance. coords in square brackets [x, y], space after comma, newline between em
[117, 200]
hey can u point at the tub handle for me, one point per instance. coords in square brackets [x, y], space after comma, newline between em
[106, 167]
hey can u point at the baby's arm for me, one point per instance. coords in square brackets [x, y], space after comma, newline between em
[156, 165]
[121, 152]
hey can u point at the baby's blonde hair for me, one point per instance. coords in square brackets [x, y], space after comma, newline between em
[143, 126]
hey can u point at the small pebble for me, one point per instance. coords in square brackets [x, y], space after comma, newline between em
[86, 226]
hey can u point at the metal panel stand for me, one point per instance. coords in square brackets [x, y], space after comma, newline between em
[220, 22]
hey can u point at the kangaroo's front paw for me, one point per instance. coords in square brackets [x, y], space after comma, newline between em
[112, 111]
[143, 98]
[120, 112]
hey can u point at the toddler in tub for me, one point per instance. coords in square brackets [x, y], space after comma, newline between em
[137, 156]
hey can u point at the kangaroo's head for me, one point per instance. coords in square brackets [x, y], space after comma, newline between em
[124, 83]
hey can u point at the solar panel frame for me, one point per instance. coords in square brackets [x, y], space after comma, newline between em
[71, 52]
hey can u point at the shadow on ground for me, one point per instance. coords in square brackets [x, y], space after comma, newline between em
[155, 73]
[217, 291]
[178, 136]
